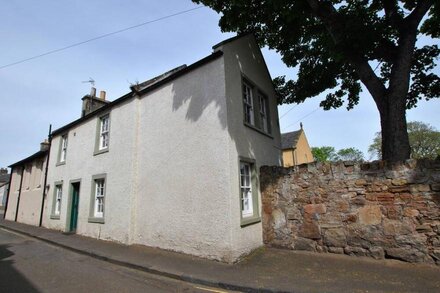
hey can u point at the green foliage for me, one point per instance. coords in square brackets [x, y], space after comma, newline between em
[327, 40]
[350, 154]
[423, 139]
[329, 154]
[324, 153]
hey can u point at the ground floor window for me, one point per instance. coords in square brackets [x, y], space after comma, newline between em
[57, 199]
[248, 193]
[99, 198]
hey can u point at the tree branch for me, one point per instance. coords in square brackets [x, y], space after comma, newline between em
[413, 20]
[334, 24]
[392, 14]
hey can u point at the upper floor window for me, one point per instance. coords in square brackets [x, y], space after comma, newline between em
[248, 104]
[264, 121]
[63, 152]
[104, 132]
[255, 107]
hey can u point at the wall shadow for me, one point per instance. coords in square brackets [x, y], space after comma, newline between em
[10, 279]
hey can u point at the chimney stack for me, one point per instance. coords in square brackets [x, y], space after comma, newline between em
[3, 171]
[102, 95]
[93, 92]
[44, 146]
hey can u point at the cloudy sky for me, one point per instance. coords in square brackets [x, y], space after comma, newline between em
[48, 90]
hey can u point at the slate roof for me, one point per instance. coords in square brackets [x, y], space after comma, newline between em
[290, 139]
[30, 158]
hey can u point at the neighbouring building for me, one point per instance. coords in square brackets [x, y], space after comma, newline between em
[4, 185]
[25, 196]
[296, 149]
[175, 162]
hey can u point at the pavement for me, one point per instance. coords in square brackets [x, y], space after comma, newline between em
[266, 270]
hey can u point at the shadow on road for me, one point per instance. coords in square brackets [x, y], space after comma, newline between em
[10, 279]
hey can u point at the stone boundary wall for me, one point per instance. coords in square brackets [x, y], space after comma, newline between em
[372, 209]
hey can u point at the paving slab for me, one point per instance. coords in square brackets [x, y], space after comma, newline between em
[267, 270]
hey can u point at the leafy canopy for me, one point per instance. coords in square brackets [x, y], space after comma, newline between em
[329, 154]
[423, 139]
[363, 35]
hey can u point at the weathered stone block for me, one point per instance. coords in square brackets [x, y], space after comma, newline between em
[370, 215]
[399, 182]
[361, 182]
[407, 254]
[315, 209]
[304, 244]
[310, 229]
[293, 213]
[435, 187]
[425, 228]
[279, 219]
[377, 252]
[358, 251]
[410, 212]
[335, 237]
[337, 250]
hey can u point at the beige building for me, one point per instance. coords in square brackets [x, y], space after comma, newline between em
[26, 192]
[296, 149]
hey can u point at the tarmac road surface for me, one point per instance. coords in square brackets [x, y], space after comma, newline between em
[29, 265]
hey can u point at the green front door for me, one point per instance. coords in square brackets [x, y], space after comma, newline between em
[74, 209]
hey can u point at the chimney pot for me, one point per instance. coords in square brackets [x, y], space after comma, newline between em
[102, 95]
[93, 92]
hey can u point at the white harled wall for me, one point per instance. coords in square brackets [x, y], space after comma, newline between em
[173, 161]
[81, 164]
[243, 58]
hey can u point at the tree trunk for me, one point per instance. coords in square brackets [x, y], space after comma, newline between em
[395, 142]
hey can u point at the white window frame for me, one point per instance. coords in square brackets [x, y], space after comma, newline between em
[104, 132]
[58, 198]
[246, 199]
[63, 153]
[262, 99]
[98, 209]
[248, 104]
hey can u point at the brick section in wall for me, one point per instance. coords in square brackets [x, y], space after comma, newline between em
[372, 209]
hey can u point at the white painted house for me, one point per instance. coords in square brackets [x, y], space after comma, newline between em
[174, 163]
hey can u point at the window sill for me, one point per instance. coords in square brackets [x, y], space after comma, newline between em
[54, 217]
[96, 220]
[257, 129]
[60, 163]
[98, 152]
[249, 221]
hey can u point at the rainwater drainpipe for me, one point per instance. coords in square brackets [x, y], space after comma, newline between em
[9, 192]
[49, 137]
[19, 192]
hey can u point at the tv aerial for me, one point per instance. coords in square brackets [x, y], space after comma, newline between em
[91, 81]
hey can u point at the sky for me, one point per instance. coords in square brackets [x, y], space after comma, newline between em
[48, 90]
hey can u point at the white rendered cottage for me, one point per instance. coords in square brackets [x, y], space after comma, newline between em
[174, 163]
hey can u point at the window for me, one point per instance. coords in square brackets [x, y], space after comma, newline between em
[263, 112]
[255, 107]
[99, 198]
[63, 148]
[246, 189]
[104, 132]
[248, 104]
[57, 198]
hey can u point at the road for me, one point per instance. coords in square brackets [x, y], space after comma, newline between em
[29, 265]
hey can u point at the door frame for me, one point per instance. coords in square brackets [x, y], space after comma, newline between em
[69, 203]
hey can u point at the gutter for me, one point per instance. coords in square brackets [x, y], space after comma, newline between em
[19, 192]
[45, 176]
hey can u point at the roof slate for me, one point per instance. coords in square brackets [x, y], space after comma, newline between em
[290, 139]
